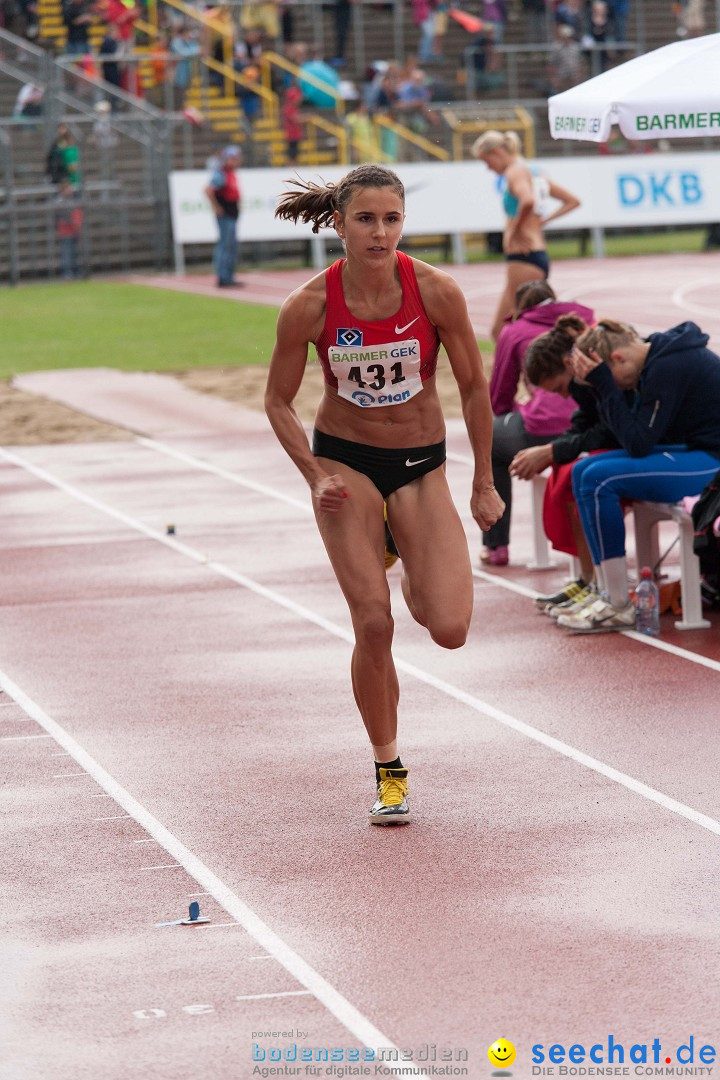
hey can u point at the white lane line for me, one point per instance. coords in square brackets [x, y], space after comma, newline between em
[115, 817]
[316, 986]
[679, 297]
[225, 474]
[491, 579]
[165, 866]
[150, 840]
[281, 993]
[451, 691]
[102, 796]
[60, 775]
[20, 738]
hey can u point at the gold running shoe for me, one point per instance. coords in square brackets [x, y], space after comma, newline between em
[391, 806]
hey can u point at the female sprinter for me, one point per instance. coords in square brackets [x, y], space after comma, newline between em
[377, 319]
[525, 190]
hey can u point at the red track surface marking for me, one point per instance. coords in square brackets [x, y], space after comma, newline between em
[532, 896]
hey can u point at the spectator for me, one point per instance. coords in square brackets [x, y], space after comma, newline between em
[535, 17]
[494, 15]
[691, 18]
[223, 191]
[670, 439]
[600, 32]
[62, 164]
[29, 102]
[29, 18]
[110, 47]
[365, 142]
[565, 62]
[186, 47]
[342, 11]
[413, 103]
[571, 13]
[292, 120]
[423, 15]
[619, 12]
[313, 94]
[68, 226]
[542, 417]
[78, 17]
[262, 15]
[159, 70]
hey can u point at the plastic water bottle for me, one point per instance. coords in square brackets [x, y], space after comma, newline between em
[647, 604]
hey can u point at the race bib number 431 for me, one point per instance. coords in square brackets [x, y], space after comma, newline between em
[377, 375]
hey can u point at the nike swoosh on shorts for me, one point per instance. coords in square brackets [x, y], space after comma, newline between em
[410, 463]
[402, 329]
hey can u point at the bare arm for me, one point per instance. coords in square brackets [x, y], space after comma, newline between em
[446, 307]
[212, 198]
[297, 325]
[568, 202]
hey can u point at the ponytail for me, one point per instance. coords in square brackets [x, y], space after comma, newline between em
[545, 356]
[317, 203]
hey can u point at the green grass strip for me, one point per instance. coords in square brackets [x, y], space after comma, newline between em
[130, 327]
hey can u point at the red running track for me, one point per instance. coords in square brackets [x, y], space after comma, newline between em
[177, 722]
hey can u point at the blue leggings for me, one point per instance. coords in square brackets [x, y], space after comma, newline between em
[601, 481]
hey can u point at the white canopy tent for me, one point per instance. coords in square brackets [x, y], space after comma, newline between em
[672, 92]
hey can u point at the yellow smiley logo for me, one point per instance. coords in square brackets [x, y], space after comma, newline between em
[501, 1053]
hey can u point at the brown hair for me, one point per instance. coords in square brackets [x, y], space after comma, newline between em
[546, 354]
[604, 338]
[532, 293]
[317, 203]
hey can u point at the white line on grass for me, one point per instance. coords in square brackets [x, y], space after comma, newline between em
[315, 985]
[446, 688]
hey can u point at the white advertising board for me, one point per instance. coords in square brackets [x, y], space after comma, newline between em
[463, 197]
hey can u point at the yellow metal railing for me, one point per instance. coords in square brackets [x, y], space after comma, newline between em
[236, 78]
[270, 60]
[514, 119]
[412, 137]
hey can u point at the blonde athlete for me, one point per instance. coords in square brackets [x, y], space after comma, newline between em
[525, 192]
[377, 319]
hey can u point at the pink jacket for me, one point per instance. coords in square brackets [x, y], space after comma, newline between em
[543, 414]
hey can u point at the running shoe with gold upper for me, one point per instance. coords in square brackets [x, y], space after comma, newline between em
[391, 806]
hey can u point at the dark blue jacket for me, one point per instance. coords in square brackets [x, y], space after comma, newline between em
[677, 400]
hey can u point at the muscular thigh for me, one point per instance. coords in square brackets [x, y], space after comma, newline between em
[432, 544]
[354, 538]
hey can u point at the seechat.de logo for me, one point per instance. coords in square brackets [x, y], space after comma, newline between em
[501, 1054]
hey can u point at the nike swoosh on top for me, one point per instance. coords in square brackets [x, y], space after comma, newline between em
[410, 463]
[402, 329]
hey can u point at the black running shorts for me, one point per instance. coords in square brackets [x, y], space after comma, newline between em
[389, 469]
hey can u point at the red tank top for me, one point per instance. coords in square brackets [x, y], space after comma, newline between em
[383, 362]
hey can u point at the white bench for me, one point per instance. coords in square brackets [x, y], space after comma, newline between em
[541, 547]
[647, 517]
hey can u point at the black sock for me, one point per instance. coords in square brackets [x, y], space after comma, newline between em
[396, 764]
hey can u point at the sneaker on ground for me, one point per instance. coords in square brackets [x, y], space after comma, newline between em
[586, 596]
[600, 615]
[391, 806]
[569, 593]
[499, 556]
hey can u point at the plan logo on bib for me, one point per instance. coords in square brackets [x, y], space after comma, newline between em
[348, 336]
